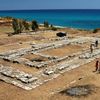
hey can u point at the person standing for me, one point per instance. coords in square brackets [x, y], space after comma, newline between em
[97, 66]
[96, 43]
[91, 48]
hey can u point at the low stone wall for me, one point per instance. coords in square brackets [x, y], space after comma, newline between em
[16, 77]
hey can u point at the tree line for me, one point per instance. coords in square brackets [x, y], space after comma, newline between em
[20, 25]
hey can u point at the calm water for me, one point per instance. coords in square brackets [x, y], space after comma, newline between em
[84, 19]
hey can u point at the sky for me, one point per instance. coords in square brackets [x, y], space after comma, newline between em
[49, 4]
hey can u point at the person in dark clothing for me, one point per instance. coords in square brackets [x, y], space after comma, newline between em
[96, 43]
[97, 65]
[91, 48]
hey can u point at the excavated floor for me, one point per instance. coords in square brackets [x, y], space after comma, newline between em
[48, 61]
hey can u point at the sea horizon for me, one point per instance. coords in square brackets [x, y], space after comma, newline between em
[45, 9]
[87, 19]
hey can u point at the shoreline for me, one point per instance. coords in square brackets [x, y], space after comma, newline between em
[4, 18]
[74, 28]
[62, 27]
[62, 17]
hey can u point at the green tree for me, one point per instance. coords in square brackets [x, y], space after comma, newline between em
[51, 25]
[95, 30]
[26, 25]
[53, 28]
[34, 25]
[15, 25]
[46, 24]
[21, 27]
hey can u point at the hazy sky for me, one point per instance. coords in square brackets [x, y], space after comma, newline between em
[49, 4]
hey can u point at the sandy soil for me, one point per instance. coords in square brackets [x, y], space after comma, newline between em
[45, 91]
[51, 89]
[66, 50]
[33, 56]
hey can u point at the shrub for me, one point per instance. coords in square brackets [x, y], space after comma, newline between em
[26, 25]
[53, 28]
[15, 26]
[34, 25]
[46, 24]
[21, 27]
[95, 30]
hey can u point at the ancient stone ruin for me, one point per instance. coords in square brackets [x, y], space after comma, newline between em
[48, 69]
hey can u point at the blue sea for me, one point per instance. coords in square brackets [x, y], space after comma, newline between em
[81, 19]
